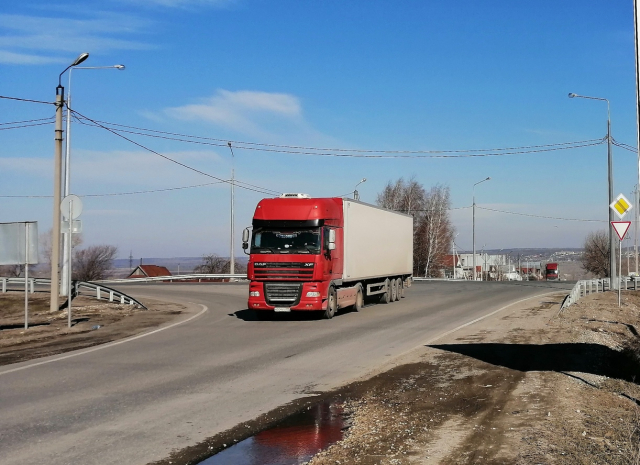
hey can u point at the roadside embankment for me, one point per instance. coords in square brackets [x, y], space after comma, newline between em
[528, 385]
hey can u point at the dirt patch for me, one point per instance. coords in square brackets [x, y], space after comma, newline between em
[531, 386]
[93, 322]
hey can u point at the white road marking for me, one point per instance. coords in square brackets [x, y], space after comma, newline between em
[106, 346]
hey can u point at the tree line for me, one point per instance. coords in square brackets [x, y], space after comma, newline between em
[432, 228]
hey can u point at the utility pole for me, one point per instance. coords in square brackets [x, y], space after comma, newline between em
[231, 257]
[57, 175]
[635, 229]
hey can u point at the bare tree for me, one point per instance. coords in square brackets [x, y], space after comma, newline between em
[432, 229]
[94, 262]
[213, 264]
[45, 246]
[437, 232]
[596, 255]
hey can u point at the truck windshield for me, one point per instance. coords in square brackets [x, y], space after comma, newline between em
[286, 241]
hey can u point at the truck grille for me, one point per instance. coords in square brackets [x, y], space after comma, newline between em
[282, 294]
[283, 270]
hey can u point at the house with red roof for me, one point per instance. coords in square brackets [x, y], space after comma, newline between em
[149, 271]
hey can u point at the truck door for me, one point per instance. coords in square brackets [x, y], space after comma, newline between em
[327, 269]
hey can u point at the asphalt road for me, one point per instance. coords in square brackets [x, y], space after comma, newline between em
[135, 402]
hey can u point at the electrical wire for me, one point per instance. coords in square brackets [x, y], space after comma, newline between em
[628, 147]
[541, 216]
[50, 118]
[355, 153]
[26, 100]
[26, 126]
[225, 142]
[259, 190]
[116, 193]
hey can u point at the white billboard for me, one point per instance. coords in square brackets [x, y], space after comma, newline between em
[19, 243]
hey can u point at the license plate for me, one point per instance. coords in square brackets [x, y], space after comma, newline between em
[282, 309]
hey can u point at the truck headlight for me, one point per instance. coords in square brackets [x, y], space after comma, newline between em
[313, 294]
[254, 294]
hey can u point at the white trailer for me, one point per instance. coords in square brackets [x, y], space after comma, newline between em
[378, 253]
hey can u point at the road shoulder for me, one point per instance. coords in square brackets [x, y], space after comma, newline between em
[94, 323]
[526, 385]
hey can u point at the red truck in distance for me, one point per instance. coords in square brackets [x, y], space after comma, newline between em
[551, 272]
[324, 254]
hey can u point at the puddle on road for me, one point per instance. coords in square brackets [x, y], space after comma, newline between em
[292, 441]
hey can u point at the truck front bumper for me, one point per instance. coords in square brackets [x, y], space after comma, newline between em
[310, 298]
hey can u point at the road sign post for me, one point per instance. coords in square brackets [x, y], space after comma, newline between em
[621, 228]
[71, 208]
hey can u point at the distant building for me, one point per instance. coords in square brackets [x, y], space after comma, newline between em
[149, 271]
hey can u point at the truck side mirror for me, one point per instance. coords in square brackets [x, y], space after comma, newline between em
[332, 239]
[245, 240]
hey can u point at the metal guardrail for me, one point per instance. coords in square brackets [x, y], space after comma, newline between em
[184, 277]
[589, 286]
[98, 291]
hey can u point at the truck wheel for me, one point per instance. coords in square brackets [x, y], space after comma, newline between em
[386, 297]
[359, 299]
[400, 289]
[332, 304]
[394, 290]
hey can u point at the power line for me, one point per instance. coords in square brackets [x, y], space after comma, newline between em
[355, 153]
[26, 100]
[628, 147]
[259, 190]
[50, 118]
[26, 126]
[224, 142]
[541, 216]
[115, 193]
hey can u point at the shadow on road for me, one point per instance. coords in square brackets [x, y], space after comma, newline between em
[253, 315]
[570, 357]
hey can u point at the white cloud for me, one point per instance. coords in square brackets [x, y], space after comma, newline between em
[184, 3]
[248, 112]
[39, 35]
[40, 167]
[97, 172]
[11, 58]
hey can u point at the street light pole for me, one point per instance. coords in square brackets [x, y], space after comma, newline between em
[232, 261]
[612, 244]
[64, 288]
[356, 196]
[57, 179]
[473, 227]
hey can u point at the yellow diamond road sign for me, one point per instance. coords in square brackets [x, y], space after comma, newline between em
[621, 206]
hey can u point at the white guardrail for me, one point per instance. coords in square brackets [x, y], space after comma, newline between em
[98, 291]
[184, 277]
[589, 286]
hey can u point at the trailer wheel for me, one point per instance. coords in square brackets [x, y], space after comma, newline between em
[400, 288]
[332, 304]
[394, 290]
[386, 297]
[359, 299]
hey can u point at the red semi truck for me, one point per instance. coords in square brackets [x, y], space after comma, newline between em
[551, 272]
[323, 254]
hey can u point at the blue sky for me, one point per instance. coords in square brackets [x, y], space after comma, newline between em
[363, 75]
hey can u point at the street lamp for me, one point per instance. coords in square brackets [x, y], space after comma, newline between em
[57, 176]
[67, 172]
[453, 246]
[475, 278]
[356, 196]
[612, 246]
